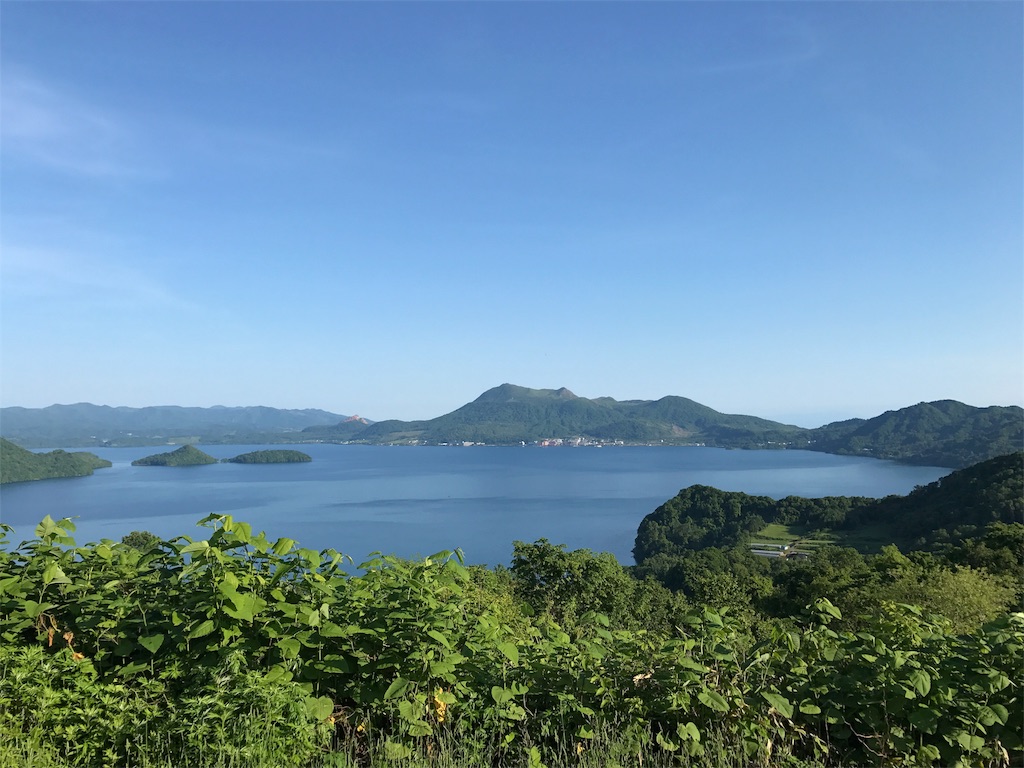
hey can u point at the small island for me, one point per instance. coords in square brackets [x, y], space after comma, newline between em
[269, 457]
[186, 456]
[18, 465]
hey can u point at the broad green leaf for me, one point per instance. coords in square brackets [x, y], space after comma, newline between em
[54, 574]
[201, 630]
[825, 606]
[1000, 713]
[46, 528]
[420, 728]
[397, 688]
[151, 643]
[780, 703]
[921, 681]
[585, 732]
[509, 651]
[409, 711]
[442, 668]
[330, 629]
[132, 669]
[809, 708]
[283, 546]
[33, 609]
[989, 716]
[277, 673]
[319, 708]
[924, 719]
[713, 700]
[501, 695]
[290, 647]
[969, 741]
[666, 744]
[395, 752]
[246, 607]
[439, 637]
[334, 663]
[513, 712]
[687, 662]
[688, 732]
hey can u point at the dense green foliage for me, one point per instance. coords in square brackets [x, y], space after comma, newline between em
[944, 433]
[186, 456]
[239, 650]
[270, 457]
[18, 465]
[965, 548]
[141, 540]
[948, 510]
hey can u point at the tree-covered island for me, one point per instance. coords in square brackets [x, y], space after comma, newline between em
[186, 456]
[269, 457]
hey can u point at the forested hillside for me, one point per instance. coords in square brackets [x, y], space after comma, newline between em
[18, 465]
[943, 434]
[951, 508]
[511, 414]
[955, 547]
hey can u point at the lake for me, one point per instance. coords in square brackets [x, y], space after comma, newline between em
[411, 501]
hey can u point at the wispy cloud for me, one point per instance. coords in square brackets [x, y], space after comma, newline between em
[82, 279]
[48, 126]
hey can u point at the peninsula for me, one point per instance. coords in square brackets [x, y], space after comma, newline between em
[19, 465]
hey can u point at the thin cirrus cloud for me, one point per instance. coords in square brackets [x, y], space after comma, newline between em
[40, 275]
[44, 125]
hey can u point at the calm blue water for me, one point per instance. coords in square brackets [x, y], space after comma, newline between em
[417, 501]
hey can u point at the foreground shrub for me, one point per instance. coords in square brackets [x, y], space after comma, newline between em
[235, 650]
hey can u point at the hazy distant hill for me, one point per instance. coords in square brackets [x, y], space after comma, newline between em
[87, 424]
[19, 465]
[944, 433]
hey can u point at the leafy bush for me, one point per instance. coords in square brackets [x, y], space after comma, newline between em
[238, 650]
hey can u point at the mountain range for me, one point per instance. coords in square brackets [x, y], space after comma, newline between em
[943, 433]
[85, 424]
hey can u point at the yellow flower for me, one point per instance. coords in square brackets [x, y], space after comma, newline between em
[440, 707]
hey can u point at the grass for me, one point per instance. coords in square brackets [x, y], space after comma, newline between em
[607, 750]
[867, 539]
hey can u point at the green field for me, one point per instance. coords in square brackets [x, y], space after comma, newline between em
[866, 539]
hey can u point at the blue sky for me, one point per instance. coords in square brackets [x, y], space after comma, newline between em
[802, 211]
